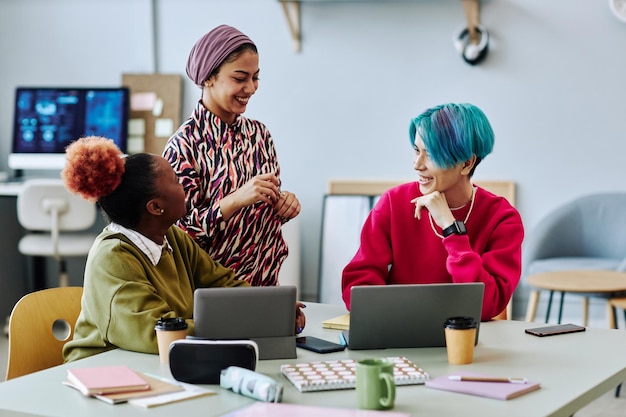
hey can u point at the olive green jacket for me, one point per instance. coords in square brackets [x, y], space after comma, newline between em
[125, 294]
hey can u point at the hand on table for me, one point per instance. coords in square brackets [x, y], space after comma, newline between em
[300, 317]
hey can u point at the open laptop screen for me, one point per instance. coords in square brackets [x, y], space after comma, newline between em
[263, 314]
[410, 315]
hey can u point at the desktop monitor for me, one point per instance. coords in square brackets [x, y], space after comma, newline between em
[47, 119]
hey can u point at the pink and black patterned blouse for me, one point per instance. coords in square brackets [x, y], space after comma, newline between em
[212, 159]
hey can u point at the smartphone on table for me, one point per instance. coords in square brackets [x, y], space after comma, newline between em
[318, 345]
[555, 329]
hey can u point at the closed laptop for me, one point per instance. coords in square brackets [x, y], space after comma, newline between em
[409, 315]
[263, 314]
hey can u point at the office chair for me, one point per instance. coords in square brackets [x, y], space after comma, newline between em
[581, 238]
[52, 216]
[40, 324]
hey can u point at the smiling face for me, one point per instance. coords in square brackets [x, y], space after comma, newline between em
[226, 94]
[171, 197]
[452, 182]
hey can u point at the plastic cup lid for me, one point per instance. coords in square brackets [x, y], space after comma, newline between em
[460, 323]
[175, 323]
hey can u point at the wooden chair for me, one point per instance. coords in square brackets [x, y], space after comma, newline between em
[40, 324]
[505, 189]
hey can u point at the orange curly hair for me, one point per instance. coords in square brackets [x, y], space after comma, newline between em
[94, 167]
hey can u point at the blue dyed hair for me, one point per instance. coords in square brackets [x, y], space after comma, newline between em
[452, 133]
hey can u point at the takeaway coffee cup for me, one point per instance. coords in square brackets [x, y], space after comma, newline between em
[460, 339]
[167, 331]
[375, 387]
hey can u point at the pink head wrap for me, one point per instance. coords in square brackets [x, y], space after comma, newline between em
[211, 50]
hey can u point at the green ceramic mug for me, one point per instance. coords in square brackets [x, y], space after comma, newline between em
[375, 387]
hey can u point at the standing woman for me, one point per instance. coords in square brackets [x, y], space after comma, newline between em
[227, 163]
[442, 228]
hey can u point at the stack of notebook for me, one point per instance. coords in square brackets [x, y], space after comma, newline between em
[106, 380]
[119, 384]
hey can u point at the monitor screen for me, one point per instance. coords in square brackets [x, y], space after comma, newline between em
[47, 119]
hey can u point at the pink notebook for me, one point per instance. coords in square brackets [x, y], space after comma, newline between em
[498, 390]
[106, 380]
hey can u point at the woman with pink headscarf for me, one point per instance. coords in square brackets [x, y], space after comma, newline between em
[227, 163]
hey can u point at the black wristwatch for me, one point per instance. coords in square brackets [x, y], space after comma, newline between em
[456, 228]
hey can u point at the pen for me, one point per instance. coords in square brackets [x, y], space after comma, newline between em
[487, 379]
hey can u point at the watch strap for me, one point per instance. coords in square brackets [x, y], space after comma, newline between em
[456, 228]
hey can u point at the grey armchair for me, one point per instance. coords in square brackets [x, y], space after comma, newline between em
[586, 234]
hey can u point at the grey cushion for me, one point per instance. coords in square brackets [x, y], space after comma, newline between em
[586, 233]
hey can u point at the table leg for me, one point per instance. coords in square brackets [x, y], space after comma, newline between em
[561, 307]
[610, 315]
[509, 309]
[39, 273]
[531, 309]
[63, 278]
[549, 306]
[585, 311]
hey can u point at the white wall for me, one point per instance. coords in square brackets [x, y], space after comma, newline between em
[552, 85]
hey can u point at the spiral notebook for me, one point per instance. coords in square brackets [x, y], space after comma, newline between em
[341, 374]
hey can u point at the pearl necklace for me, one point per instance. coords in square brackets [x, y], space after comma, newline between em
[432, 224]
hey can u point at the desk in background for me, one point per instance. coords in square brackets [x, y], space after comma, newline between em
[574, 369]
[10, 189]
[13, 269]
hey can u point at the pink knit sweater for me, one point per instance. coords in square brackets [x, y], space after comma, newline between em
[396, 248]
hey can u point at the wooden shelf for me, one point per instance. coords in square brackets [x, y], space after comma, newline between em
[291, 9]
[292, 14]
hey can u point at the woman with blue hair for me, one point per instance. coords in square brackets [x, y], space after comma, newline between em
[442, 228]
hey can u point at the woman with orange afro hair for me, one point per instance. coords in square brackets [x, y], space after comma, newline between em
[141, 267]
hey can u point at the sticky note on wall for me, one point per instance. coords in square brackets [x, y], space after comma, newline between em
[143, 101]
[163, 128]
[136, 127]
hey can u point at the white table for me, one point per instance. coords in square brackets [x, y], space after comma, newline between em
[10, 189]
[574, 369]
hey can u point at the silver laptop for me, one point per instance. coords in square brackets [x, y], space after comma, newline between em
[263, 314]
[410, 315]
